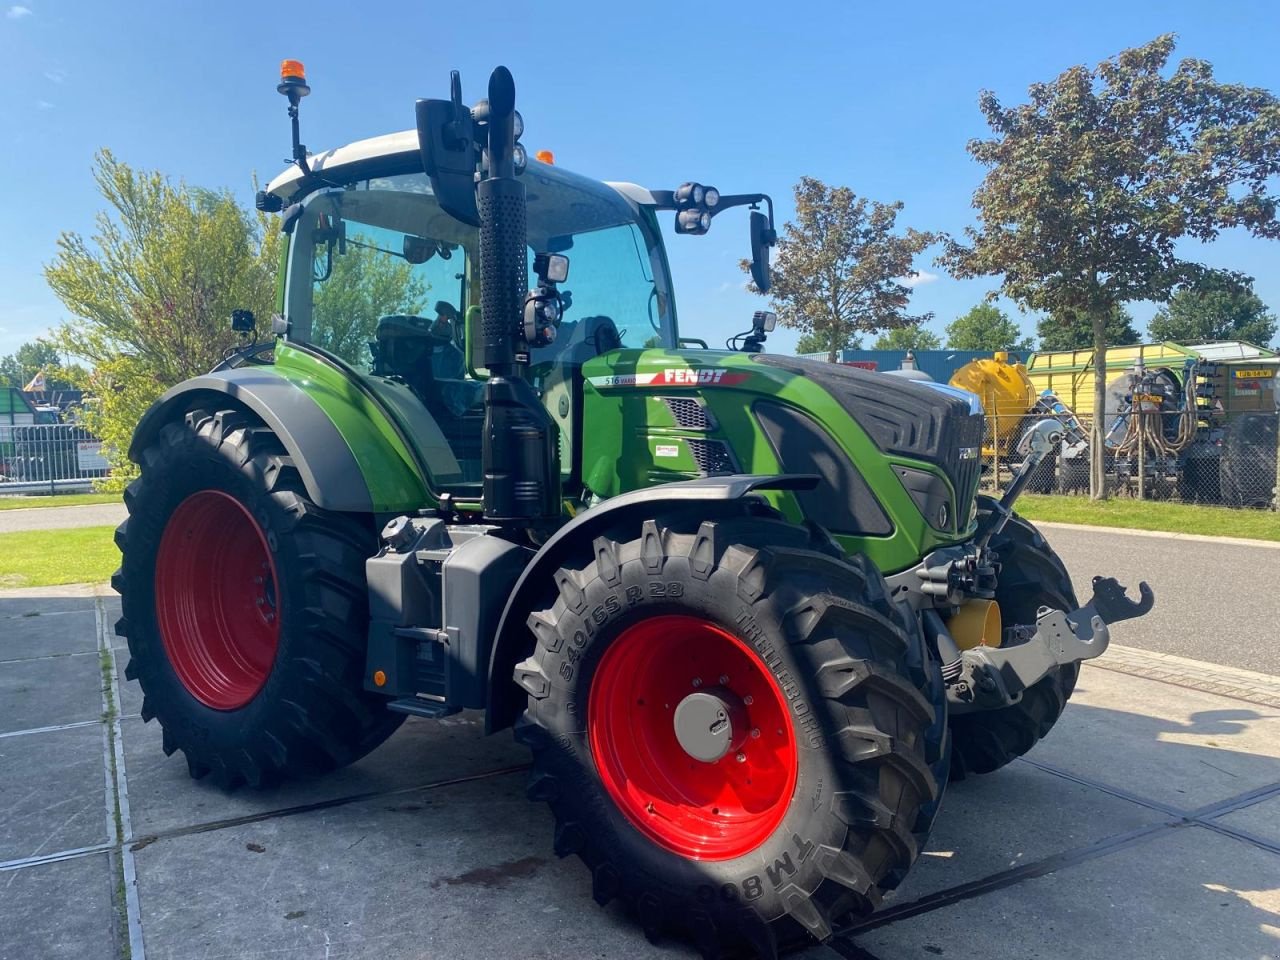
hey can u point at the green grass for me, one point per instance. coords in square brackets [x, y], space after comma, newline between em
[65, 500]
[44, 558]
[1148, 515]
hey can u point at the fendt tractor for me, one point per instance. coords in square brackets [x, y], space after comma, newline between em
[746, 611]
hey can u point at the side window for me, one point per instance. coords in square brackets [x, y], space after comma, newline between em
[361, 275]
[611, 282]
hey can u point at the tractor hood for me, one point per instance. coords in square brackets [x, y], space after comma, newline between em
[899, 459]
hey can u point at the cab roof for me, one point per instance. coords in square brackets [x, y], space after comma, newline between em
[403, 147]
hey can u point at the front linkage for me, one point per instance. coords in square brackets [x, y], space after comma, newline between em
[989, 677]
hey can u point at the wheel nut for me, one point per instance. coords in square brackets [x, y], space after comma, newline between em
[741, 758]
[748, 699]
[724, 679]
[697, 681]
[755, 733]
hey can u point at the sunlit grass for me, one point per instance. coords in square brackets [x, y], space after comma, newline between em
[1149, 515]
[65, 500]
[43, 558]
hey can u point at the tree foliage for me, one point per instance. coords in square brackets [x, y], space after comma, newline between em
[1092, 182]
[20, 367]
[914, 337]
[365, 284]
[986, 327]
[1219, 308]
[1073, 330]
[839, 265]
[151, 292]
[820, 343]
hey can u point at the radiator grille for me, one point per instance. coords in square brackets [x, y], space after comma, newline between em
[689, 413]
[712, 456]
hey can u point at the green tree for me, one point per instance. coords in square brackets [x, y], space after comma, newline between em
[1091, 184]
[366, 283]
[914, 337]
[986, 327]
[151, 292]
[1073, 330]
[20, 367]
[818, 343]
[839, 265]
[1219, 308]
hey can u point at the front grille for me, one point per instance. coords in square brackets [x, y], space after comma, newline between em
[965, 469]
[689, 413]
[711, 456]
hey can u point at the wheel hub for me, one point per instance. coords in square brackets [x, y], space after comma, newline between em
[710, 723]
[705, 771]
[217, 599]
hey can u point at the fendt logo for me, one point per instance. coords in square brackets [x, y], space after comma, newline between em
[693, 377]
[673, 377]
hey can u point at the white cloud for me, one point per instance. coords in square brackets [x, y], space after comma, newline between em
[921, 277]
[55, 76]
[17, 12]
[44, 105]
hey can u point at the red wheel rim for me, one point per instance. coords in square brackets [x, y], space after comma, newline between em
[701, 810]
[217, 600]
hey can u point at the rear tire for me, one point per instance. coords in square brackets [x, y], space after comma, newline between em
[248, 637]
[1248, 467]
[1031, 576]
[813, 635]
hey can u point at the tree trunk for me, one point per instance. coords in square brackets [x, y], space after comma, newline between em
[1097, 446]
[833, 346]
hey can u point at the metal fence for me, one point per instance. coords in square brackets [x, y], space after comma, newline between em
[48, 458]
[1150, 456]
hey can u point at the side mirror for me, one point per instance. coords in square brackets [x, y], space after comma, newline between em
[446, 141]
[763, 238]
[417, 250]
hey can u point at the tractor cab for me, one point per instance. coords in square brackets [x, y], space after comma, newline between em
[381, 277]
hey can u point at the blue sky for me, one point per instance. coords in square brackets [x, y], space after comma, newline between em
[744, 96]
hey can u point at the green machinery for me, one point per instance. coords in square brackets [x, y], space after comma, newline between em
[747, 611]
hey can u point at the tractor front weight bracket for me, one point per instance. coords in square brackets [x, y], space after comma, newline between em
[995, 677]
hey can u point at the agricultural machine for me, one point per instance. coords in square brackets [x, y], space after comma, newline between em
[1198, 420]
[746, 611]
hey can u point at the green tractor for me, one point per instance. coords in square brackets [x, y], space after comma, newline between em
[747, 611]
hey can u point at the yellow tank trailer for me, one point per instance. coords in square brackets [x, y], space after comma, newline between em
[1006, 392]
[1192, 406]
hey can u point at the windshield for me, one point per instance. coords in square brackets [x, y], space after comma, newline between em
[383, 278]
[380, 252]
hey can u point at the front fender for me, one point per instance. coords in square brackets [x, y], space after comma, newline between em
[513, 641]
[356, 470]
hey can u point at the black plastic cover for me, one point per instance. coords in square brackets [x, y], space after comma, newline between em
[844, 503]
[901, 416]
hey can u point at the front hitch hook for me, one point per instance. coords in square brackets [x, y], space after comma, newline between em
[1112, 604]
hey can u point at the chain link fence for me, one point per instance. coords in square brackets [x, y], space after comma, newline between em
[49, 458]
[1150, 456]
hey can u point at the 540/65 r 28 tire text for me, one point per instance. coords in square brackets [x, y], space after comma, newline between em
[730, 728]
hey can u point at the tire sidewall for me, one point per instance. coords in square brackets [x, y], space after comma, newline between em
[192, 464]
[786, 862]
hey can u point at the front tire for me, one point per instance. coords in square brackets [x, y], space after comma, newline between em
[831, 773]
[1031, 576]
[244, 607]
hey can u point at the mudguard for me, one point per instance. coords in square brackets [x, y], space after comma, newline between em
[513, 641]
[356, 469]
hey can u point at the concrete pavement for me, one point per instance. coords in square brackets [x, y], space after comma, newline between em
[62, 518]
[1215, 601]
[1144, 826]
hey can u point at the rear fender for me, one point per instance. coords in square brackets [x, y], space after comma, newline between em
[712, 496]
[358, 471]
